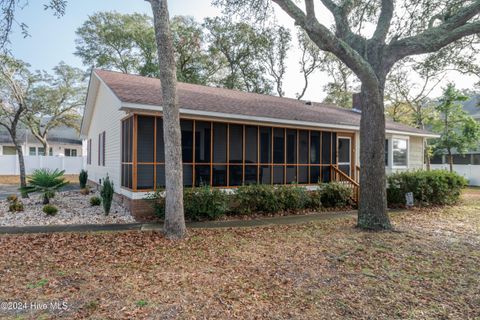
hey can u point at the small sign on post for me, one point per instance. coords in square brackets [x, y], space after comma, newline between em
[409, 199]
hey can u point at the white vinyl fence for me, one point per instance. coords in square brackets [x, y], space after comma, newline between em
[71, 165]
[469, 171]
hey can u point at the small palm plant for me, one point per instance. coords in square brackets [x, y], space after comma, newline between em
[45, 181]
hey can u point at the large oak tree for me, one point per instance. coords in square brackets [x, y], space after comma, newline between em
[398, 29]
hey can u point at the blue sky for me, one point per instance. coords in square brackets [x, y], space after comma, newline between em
[53, 40]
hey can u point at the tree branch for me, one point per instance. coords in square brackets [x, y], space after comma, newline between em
[429, 41]
[327, 41]
[384, 21]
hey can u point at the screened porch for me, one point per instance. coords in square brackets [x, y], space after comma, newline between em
[227, 154]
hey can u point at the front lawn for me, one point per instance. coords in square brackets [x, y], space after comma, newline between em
[428, 269]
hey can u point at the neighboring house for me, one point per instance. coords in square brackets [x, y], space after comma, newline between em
[472, 106]
[63, 141]
[229, 138]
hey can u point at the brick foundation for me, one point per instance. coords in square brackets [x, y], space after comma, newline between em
[140, 209]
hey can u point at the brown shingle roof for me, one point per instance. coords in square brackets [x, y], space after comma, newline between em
[147, 91]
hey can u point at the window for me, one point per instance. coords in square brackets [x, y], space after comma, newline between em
[70, 152]
[9, 151]
[476, 158]
[41, 151]
[101, 149]
[400, 152]
[32, 151]
[386, 152]
[462, 159]
[89, 151]
[344, 153]
[50, 152]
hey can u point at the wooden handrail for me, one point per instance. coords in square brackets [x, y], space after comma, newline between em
[340, 176]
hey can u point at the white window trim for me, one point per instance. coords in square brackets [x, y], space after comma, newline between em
[349, 154]
[390, 151]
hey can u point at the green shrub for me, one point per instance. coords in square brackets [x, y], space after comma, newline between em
[157, 199]
[16, 206]
[107, 194]
[46, 182]
[205, 203]
[83, 178]
[200, 203]
[292, 198]
[50, 210]
[334, 194]
[95, 201]
[256, 198]
[435, 187]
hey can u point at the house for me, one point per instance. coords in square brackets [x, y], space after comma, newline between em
[472, 107]
[63, 141]
[229, 138]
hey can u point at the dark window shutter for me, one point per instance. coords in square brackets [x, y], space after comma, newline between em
[103, 149]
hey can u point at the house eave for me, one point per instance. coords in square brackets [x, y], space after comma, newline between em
[136, 107]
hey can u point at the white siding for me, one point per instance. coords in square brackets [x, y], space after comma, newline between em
[106, 117]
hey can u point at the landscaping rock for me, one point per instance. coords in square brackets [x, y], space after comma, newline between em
[73, 208]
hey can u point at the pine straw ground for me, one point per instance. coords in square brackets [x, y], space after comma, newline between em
[428, 269]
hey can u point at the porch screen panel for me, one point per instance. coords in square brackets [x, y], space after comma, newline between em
[314, 147]
[219, 175]
[278, 174]
[145, 145]
[236, 143]
[219, 142]
[202, 142]
[278, 145]
[126, 152]
[265, 145]
[303, 174]
[202, 175]
[236, 155]
[160, 176]
[145, 176]
[187, 141]
[251, 144]
[160, 143]
[291, 146]
[251, 155]
[326, 156]
[303, 147]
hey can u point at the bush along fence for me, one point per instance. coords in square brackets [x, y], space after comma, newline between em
[207, 203]
[435, 187]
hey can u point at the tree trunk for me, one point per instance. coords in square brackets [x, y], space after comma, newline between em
[21, 164]
[450, 159]
[427, 154]
[372, 211]
[174, 226]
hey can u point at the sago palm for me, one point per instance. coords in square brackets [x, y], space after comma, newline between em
[45, 181]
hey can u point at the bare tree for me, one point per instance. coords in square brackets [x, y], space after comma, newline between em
[401, 29]
[56, 102]
[174, 226]
[310, 60]
[15, 86]
[278, 41]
